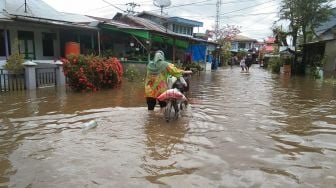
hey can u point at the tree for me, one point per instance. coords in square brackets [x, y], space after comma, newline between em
[224, 37]
[304, 16]
[280, 36]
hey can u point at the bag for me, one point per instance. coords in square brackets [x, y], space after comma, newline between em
[172, 93]
[170, 81]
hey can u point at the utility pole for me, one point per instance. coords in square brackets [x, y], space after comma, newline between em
[217, 24]
[131, 9]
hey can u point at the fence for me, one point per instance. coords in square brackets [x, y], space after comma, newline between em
[45, 77]
[11, 82]
[34, 76]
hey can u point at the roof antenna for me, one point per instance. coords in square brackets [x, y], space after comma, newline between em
[26, 7]
[25, 4]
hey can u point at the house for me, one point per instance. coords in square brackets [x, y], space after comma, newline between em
[242, 43]
[199, 48]
[324, 45]
[269, 46]
[161, 37]
[176, 24]
[40, 32]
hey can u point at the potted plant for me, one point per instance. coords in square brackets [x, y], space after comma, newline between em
[287, 65]
[317, 67]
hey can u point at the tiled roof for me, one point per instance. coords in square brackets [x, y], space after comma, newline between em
[269, 48]
[270, 40]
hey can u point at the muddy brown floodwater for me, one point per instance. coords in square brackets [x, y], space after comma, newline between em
[240, 130]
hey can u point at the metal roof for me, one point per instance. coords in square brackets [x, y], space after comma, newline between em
[152, 14]
[327, 25]
[4, 17]
[173, 19]
[142, 23]
[40, 9]
[241, 38]
[185, 21]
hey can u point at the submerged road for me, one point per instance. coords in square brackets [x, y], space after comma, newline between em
[240, 130]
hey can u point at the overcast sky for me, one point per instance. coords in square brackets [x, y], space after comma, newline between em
[255, 17]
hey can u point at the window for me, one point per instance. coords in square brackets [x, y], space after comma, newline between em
[26, 44]
[48, 43]
[177, 30]
[180, 29]
[189, 31]
[241, 45]
[3, 44]
[86, 45]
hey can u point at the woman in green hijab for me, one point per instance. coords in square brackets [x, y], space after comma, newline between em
[158, 71]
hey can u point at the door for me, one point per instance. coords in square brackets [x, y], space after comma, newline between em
[26, 44]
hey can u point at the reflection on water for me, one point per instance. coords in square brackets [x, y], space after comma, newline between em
[240, 130]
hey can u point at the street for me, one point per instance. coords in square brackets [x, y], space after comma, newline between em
[239, 130]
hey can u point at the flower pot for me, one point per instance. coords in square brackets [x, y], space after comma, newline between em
[319, 72]
[287, 69]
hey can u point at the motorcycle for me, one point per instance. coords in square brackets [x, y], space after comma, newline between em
[178, 87]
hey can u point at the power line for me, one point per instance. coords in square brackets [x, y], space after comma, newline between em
[194, 3]
[114, 6]
[253, 14]
[230, 2]
[249, 7]
[218, 6]
[235, 15]
[181, 5]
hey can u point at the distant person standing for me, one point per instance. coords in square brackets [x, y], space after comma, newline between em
[248, 62]
[242, 64]
[234, 60]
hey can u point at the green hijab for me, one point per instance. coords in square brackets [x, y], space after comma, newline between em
[158, 64]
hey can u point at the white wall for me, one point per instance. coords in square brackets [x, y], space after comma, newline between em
[38, 30]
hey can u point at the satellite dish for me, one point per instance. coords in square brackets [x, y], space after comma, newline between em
[162, 4]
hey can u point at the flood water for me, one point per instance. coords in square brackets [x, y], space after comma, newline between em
[240, 130]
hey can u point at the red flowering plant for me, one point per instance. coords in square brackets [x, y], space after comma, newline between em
[92, 72]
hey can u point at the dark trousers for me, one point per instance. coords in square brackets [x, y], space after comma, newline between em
[151, 102]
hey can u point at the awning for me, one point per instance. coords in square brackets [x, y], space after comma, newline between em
[136, 32]
[145, 34]
[170, 40]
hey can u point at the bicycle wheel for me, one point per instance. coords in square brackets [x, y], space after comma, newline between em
[168, 110]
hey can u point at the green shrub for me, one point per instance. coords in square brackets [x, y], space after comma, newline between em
[275, 64]
[132, 73]
[193, 65]
[241, 54]
[15, 63]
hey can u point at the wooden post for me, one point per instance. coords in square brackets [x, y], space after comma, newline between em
[174, 50]
[98, 36]
[6, 41]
